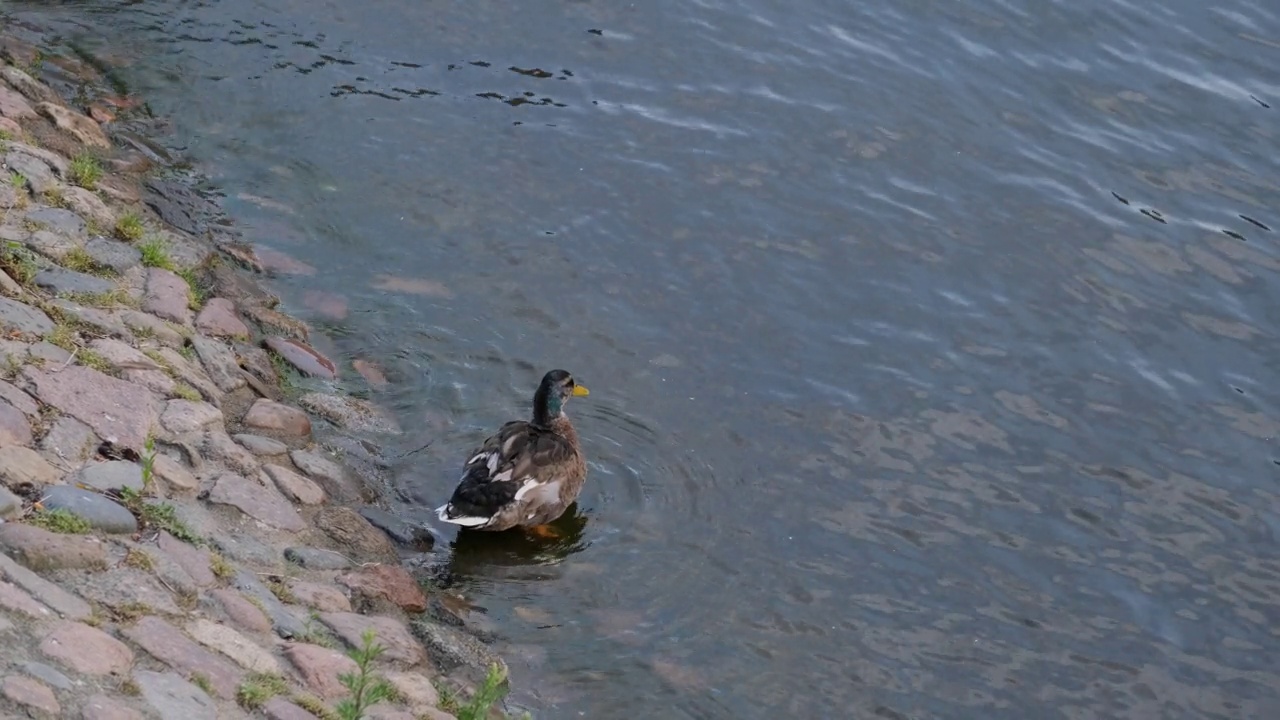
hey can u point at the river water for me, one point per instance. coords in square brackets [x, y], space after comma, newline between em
[932, 344]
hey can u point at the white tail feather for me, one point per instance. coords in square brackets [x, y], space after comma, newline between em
[442, 512]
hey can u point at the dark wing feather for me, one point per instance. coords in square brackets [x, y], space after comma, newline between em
[526, 450]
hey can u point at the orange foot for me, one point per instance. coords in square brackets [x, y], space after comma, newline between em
[545, 532]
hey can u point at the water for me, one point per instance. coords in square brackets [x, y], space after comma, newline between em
[932, 345]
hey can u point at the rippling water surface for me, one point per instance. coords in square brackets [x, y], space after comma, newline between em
[932, 345]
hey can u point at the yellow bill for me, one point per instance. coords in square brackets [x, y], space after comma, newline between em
[581, 390]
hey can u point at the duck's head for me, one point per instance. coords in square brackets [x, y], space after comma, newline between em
[555, 390]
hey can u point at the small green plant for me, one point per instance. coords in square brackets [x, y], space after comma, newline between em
[220, 567]
[129, 687]
[85, 171]
[54, 197]
[486, 696]
[64, 336]
[139, 560]
[201, 681]
[61, 520]
[91, 359]
[281, 590]
[258, 688]
[5, 136]
[18, 180]
[188, 352]
[315, 706]
[129, 227]
[132, 610]
[313, 633]
[186, 392]
[158, 515]
[80, 261]
[365, 686]
[148, 463]
[155, 253]
[116, 297]
[19, 263]
[197, 293]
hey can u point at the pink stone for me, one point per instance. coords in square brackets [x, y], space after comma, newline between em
[114, 409]
[370, 371]
[81, 127]
[325, 598]
[86, 650]
[294, 486]
[13, 105]
[14, 428]
[278, 708]
[166, 296]
[326, 304]
[305, 358]
[276, 261]
[31, 693]
[389, 582]
[243, 613]
[101, 707]
[401, 646]
[179, 652]
[219, 318]
[320, 668]
[270, 415]
[14, 600]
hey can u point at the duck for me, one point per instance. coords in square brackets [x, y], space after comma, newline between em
[527, 473]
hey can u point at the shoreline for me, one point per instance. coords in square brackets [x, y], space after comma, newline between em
[177, 536]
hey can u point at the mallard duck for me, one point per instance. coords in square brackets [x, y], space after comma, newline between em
[527, 473]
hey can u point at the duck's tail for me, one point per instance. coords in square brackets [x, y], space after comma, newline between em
[445, 513]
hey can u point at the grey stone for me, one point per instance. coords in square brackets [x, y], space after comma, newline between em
[63, 222]
[115, 409]
[111, 475]
[282, 621]
[260, 502]
[166, 296]
[403, 532]
[19, 399]
[107, 323]
[100, 512]
[220, 362]
[38, 174]
[142, 322]
[69, 442]
[316, 558]
[64, 603]
[262, 446]
[63, 281]
[48, 352]
[336, 481]
[40, 671]
[10, 504]
[51, 244]
[173, 697]
[23, 318]
[14, 427]
[114, 254]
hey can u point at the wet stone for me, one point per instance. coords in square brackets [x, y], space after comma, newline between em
[172, 697]
[110, 475]
[273, 416]
[115, 409]
[166, 296]
[401, 531]
[316, 558]
[294, 486]
[101, 707]
[119, 256]
[101, 513]
[371, 372]
[261, 446]
[86, 650]
[62, 602]
[66, 282]
[15, 316]
[167, 644]
[219, 318]
[47, 675]
[261, 503]
[349, 413]
[450, 648]
[63, 222]
[34, 695]
[401, 647]
[387, 582]
[346, 527]
[336, 481]
[305, 358]
[320, 667]
[14, 427]
[326, 304]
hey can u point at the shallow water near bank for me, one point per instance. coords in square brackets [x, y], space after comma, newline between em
[932, 345]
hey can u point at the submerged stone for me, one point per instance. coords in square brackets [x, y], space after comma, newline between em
[305, 358]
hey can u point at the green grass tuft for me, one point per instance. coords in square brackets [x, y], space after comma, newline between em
[80, 261]
[85, 170]
[258, 688]
[155, 253]
[201, 681]
[129, 227]
[61, 520]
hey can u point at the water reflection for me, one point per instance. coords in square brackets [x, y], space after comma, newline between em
[473, 553]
